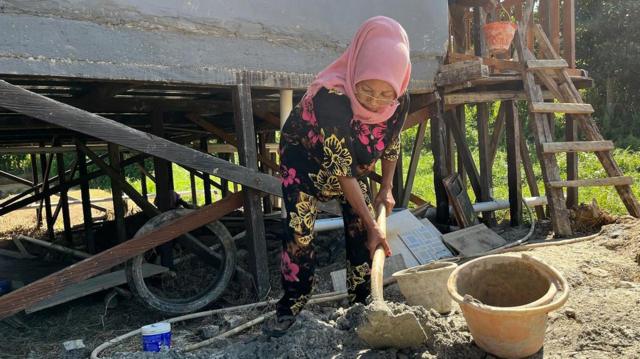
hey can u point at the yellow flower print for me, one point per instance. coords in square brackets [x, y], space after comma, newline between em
[304, 240]
[327, 185]
[356, 275]
[337, 159]
[303, 219]
[299, 304]
[392, 152]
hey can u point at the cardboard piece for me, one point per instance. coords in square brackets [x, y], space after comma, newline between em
[425, 244]
[474, 240]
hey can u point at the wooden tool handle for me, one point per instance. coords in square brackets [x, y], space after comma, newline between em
[377, 267]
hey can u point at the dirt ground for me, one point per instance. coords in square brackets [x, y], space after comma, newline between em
[600, 319]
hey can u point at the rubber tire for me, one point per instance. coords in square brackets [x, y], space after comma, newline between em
[133, 269]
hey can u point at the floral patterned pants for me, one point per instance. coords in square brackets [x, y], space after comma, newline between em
[298, 254]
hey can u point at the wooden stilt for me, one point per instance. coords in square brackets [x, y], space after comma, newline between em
[247, 151]
[398, 182]
[413, 166]
[571, 135]
[86, 202]
[64, 199]
[263, 153]
[467, 158]
[528, 170]
[164, 182]
[34, 176]
[513, 163]
[485, 169]
[439, 165]
[460, 116]
[116, 195]
[143, 183]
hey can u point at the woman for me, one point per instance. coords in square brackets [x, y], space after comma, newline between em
[350, 117]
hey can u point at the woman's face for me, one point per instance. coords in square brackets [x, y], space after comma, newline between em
[375, 95]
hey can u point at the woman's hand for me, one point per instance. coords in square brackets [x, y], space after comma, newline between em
[376, 237]
[385, 197]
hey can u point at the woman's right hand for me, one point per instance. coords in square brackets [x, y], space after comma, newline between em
[376, 237]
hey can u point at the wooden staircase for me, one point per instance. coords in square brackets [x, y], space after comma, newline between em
[551, 72]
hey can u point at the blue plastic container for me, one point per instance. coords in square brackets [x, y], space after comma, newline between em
[5, 286]
[156, 337]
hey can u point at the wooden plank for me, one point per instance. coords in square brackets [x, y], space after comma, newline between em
[594, 182]
[553, 64]
[474, 240]
[513, 163]
[542, 133]
[413, 165]
[31, 104]
[577, 146]
[500, 66]
[459, 116]
[462, 208]
[486, 173]
[93, 285]
[16, 178]
[461, 72]
[42, 289]
[247, 151]
[34, 177]
[570, 108]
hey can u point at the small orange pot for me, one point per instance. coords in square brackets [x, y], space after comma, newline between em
[499, 35]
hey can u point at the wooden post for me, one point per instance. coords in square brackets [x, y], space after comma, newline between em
[479, 19]
[398, 182]
[86, 202]
[528, 170]
[439, 165]
[466, 156]
[223, 182]
[513, 163]
[415, 158]
[485, 169]
[247, 151]
[34, 176]
[569, 32]
[449, 144]
[206, 180]
[460, 117]
[554, 24]
[64, 198]
[143, 182]
[164, 186]
[116, 194]
[266, 201]
[571, 134]
[45, 166]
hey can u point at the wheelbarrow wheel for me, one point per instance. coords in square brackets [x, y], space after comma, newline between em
[195, 280]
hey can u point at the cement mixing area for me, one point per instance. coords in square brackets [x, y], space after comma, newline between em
[143, 201]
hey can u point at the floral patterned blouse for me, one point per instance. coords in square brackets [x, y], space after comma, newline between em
[321, 141]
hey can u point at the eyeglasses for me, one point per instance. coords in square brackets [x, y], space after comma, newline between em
[369, 98]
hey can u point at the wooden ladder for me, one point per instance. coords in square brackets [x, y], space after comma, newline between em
[551, 71]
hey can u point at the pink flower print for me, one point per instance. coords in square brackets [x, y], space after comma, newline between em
[363, 133]
[289, 176]
[380, 145]
[288, 268]
[314, 137]
[308, 114]
[378, 132]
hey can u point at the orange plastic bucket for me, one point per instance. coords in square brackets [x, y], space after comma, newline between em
[499, 35]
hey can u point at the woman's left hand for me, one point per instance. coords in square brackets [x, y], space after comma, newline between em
[385, 197]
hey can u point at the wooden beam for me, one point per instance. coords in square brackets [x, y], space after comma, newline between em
[16, 178]
[513, 163]
[247, 151]
[44, 288]
[34, 177]
[498, 130]
[570, 108]
[31, 104]
[459, 116]
[45, 165]
[415, 159]
[206, 180]
[577, 146]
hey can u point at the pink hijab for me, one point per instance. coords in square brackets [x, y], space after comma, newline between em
[379, 51]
